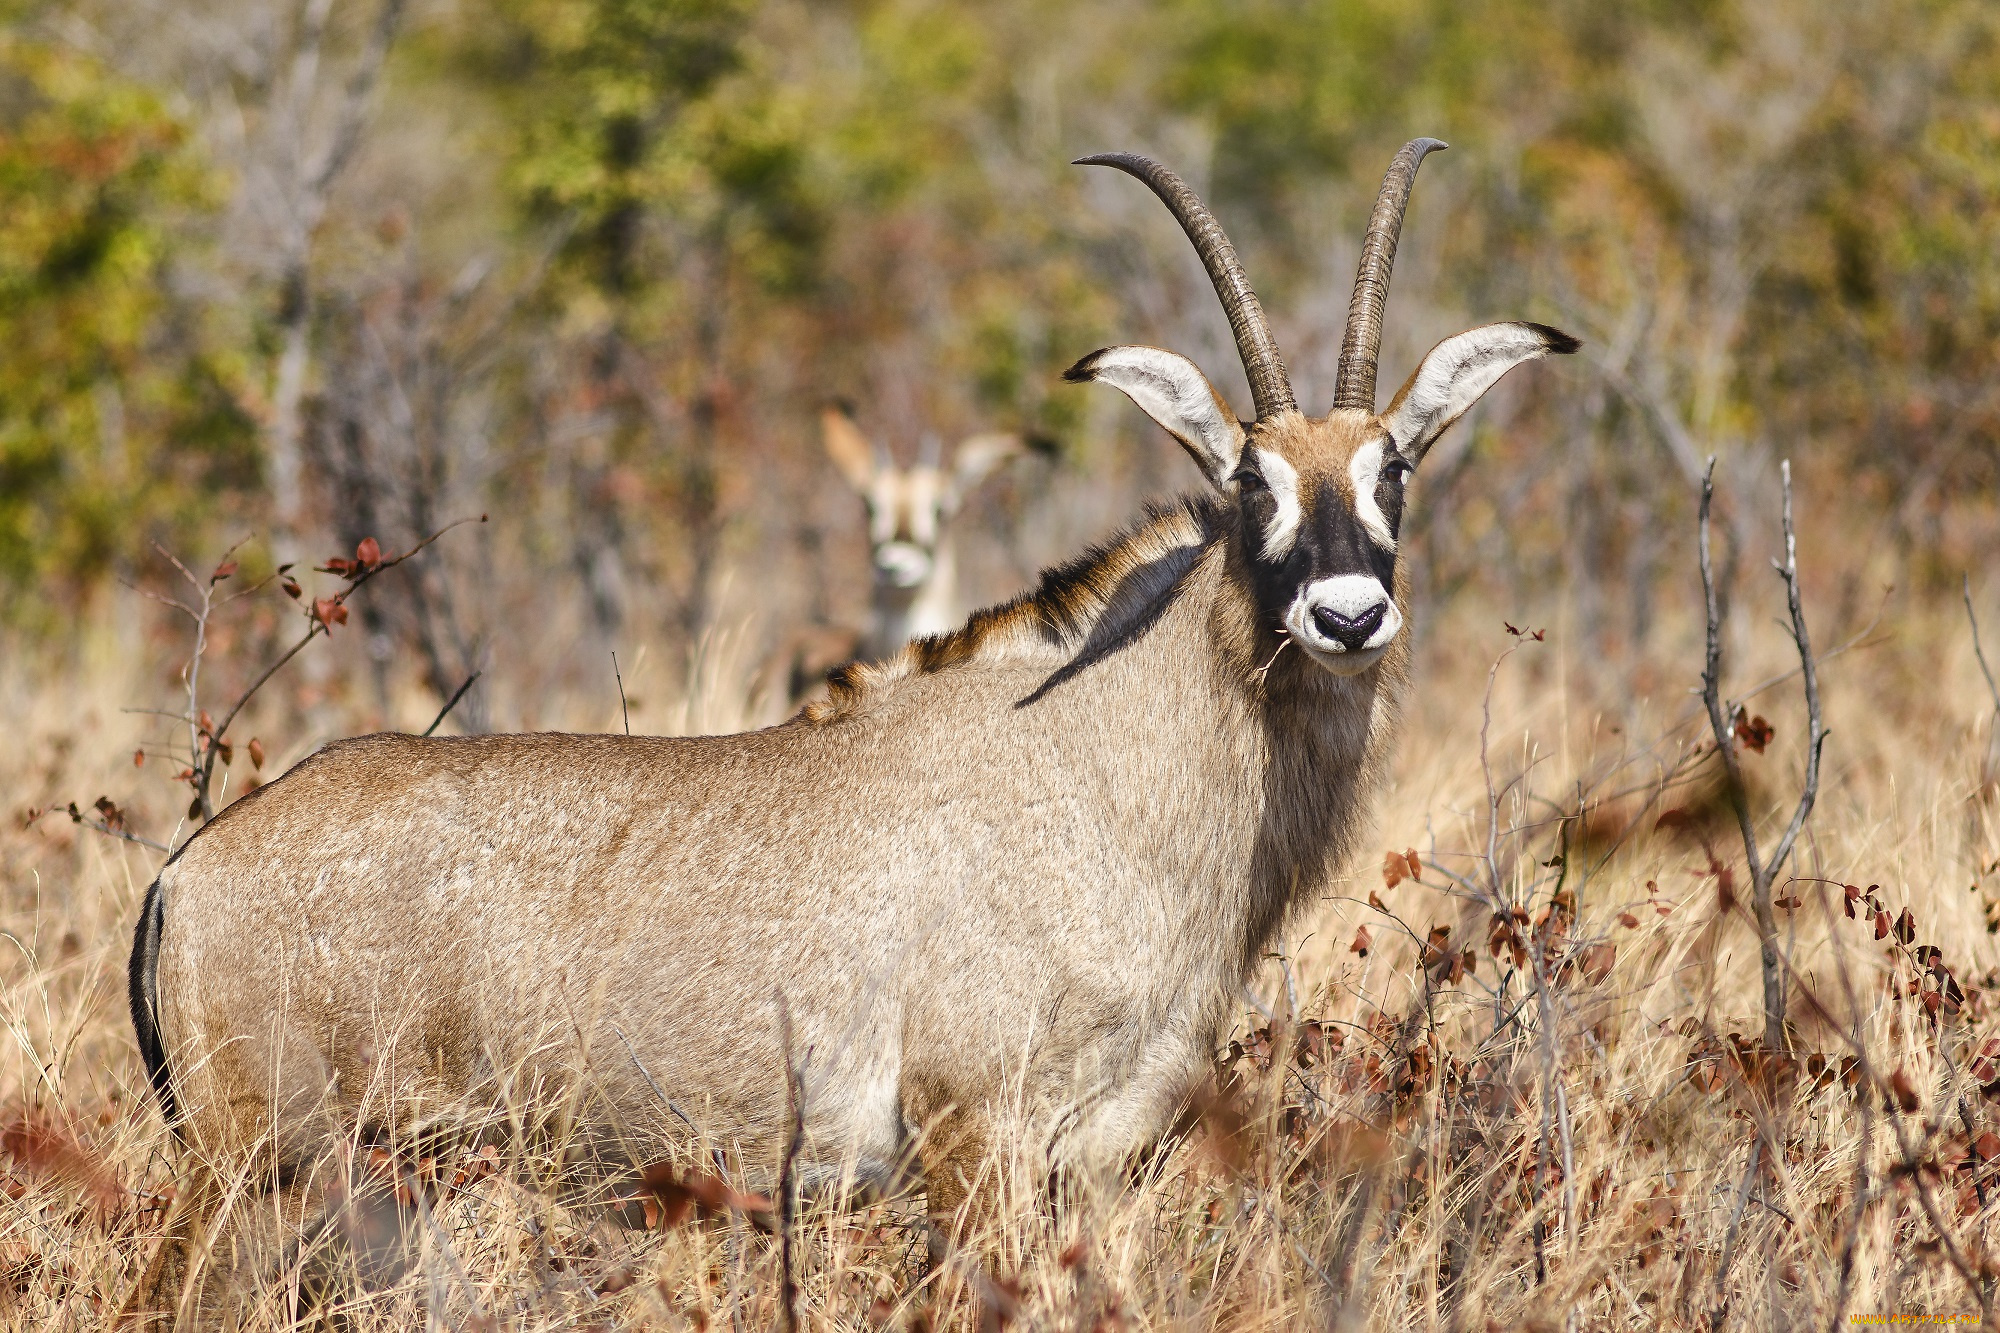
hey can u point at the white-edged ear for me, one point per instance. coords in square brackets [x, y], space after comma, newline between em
[1172, 391]
[848, 447]
[1455, 373]
[978, 457]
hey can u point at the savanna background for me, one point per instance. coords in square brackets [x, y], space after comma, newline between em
[282, 277]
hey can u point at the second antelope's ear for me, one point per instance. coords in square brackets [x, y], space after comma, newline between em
[978, 457]
[1456, 373]
[1172, 391]
[847, 447]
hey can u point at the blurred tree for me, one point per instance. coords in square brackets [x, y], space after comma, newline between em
[1773, 223]
[116, 419]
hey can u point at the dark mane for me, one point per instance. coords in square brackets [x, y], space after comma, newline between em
[1090, 606]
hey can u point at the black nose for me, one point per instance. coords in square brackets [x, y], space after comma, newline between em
[1349, 633]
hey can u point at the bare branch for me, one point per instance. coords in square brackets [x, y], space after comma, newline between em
[104, 826]
[124, 835]
[1761, 872]
[1815, 725]
[1711, 678]
[176, 605]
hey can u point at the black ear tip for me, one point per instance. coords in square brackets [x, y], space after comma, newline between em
[1556, 340]
[1084, 371]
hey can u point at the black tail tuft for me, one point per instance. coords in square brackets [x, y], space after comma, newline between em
[144, 982]
[1558, 342]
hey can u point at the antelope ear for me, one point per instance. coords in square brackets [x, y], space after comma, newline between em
[1455, 373]
[977, 458]
[847, 447]
[1172, 391]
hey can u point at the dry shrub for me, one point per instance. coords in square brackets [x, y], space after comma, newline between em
[1506, 1077]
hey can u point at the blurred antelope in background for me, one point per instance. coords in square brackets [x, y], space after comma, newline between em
[910, 513]
[1005, 886]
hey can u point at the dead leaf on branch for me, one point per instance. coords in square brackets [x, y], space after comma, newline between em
[1399, 866]
[1752, 733]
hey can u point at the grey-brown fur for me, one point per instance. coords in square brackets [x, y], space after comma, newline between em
[1008, 883]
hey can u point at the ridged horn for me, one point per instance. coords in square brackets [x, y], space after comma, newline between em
[1270, 387]
[1354, 384]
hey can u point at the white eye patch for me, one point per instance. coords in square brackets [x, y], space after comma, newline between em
[1364, 470]
[1282, 479]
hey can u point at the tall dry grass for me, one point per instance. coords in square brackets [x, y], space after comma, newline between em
[1413, 1135]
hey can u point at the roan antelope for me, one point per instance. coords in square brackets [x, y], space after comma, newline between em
[1007, 885]
[910, 511]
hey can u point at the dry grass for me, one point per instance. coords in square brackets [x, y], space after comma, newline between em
[1420, 1150]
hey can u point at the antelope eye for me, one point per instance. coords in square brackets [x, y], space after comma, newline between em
[1248, 480]
[1396, 470]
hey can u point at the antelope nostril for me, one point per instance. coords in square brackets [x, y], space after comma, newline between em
[1350, 632]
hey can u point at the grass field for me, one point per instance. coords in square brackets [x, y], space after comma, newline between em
[1562, 1122]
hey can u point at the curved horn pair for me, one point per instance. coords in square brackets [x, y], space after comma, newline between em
[1270, 386]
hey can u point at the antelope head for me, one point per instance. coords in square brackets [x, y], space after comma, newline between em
[909, 508]
[1318, 500]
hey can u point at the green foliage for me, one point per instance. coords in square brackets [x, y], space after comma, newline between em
[104, 394]
[1780, 214]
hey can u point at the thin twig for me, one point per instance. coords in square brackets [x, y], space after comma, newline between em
[104, 827]
[624, 708]
[1984, 667]
[451, 703]
[788, 1202]
[1721, 1310]
[653, 1083]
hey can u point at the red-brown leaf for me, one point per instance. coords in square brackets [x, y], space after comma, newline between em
[368, 554]
[1627, 920]
[1905, 1091]
[1394, 870]
[1361, 942]
[1753, 733]
[1986, 1062]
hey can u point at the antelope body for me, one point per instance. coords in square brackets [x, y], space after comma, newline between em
[1003, 886]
